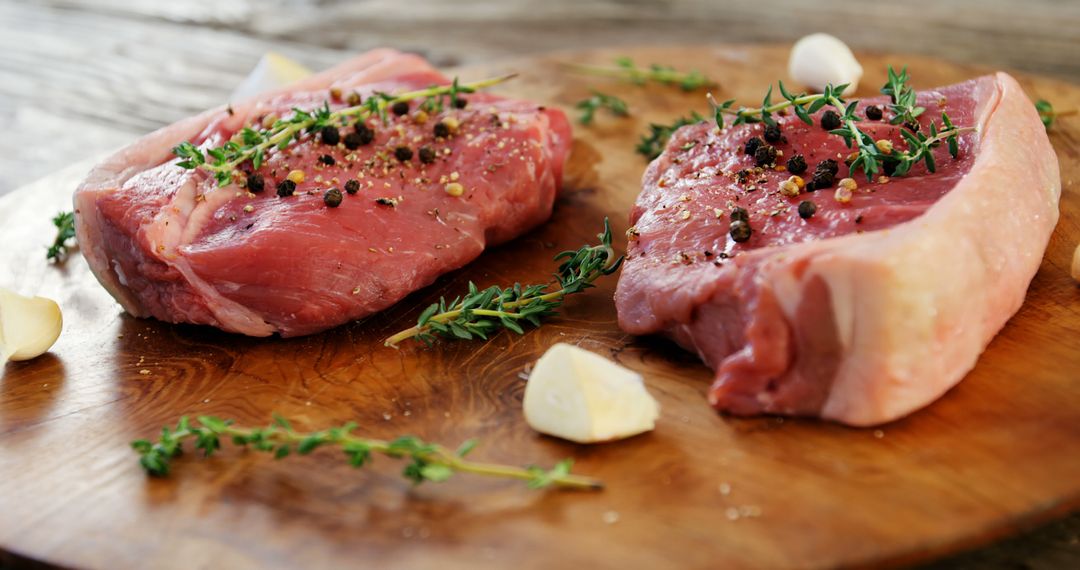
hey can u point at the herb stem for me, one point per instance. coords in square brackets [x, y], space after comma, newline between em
[625, 69]
[431, 462]
[603, 250]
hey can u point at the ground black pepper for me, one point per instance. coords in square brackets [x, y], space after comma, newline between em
[830, 120]
[330, 135]
[255, 183]
[332, 198]
[796, 164]
[386, 202]
[806, 209]
[327, 160]
[740, 231]
[403, 153]
[352, 186]
[286, 188]
[873, 112]
[427, 154]
[400, 108]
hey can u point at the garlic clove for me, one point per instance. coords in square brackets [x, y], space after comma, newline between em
[272, 71]
[819, 59]
[28, 325]
[580, 396]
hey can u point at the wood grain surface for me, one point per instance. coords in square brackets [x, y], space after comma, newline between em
[997, 454]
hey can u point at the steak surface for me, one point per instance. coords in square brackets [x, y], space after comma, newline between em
[866, 309]
[167, 242]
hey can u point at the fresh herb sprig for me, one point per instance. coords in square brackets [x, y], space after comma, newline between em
[598, 101]
[65, 231]
[253, 145]
[871, 156]
[427, 461]
[904, 105]
[1047, 113]
[480, 313]
[652, 144]
[626, 69]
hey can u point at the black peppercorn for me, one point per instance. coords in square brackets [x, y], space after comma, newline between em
[364, 132]
[332, 198]
[327, 160]
[806, 209]
[460, 103]
[873, 112]
[739, 214]
[830, 120]
[352, 186]
[822, 179]
[740, 231]
[442, 130]
[286, 188]
[427, 155]
[752, 145]
[330, 135]
[403, 153]
[796, 164]
[352, 141]
[400, 108]
[765, 155]
[772, 134]
[255, 183]
[828, 165]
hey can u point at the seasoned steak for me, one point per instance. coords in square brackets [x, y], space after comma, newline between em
[380, 210]
[861, 310]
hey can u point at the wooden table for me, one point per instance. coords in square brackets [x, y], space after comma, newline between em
[78, 79]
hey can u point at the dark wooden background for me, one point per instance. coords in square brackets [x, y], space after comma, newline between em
[78, 77]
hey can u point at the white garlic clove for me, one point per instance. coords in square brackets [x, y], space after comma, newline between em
[28, 325]
[819, 59]
[581, 396]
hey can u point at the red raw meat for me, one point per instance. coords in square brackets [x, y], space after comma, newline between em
[867, 310]
[168, 243]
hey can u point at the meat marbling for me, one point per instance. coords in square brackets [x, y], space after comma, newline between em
[867, 310]
[168, 243]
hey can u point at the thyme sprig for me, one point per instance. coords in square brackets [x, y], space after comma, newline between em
[871, 156]
[1048, 115]
[652, 144]
[598, 101]
[253, 144]
[626, 69]
[65, 231]
[480, 313]
[427, 461]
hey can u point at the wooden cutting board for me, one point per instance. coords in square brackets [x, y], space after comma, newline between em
[999, 453]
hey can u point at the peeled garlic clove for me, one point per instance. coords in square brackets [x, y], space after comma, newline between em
[28, 325]
[818, 60]
[581, 396]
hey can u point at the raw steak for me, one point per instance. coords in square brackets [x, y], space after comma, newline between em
[168, 243]
[867, 310]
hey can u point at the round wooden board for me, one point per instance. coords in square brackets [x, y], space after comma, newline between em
[998, 453]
